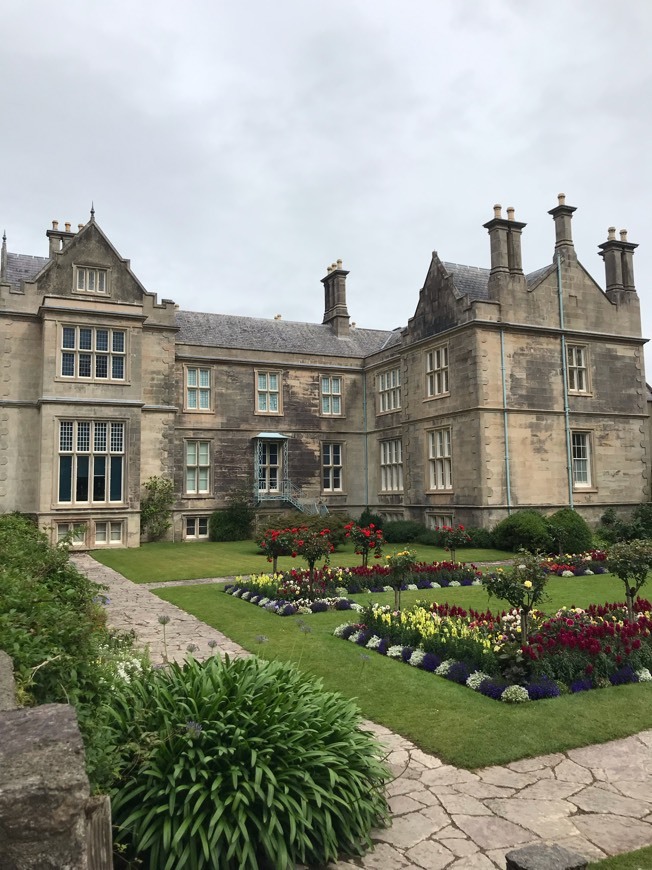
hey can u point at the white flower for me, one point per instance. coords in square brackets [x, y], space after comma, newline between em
[358, 607]
[263, 602]
[588, 571]
[374, 642]
[444, 667]
[515, 695]
[388, 588]
[435, 586]
[246, 595]
[339, 631]
[454, 583]
[416, 658]
[477, 582]
[644, 676]
[412, 587]
[355, 636]
[475, 680]
[567, 574]
[395, 652]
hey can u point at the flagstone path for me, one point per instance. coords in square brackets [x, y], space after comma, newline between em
[596, 801]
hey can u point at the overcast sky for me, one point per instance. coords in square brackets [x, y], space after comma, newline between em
[234, 149]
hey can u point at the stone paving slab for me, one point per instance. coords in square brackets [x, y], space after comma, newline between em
[596, 800]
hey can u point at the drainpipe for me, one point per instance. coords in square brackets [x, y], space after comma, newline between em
[564, 368]
[508, 481]
[366, 446]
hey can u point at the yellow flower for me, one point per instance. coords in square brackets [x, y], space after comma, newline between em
[528, 584]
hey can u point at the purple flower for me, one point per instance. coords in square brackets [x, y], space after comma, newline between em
[407, 652]
[430, 662]
[581, 685]
[343, 604]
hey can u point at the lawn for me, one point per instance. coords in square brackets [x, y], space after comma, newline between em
[641, 859]
[460, 726]
[165, 561]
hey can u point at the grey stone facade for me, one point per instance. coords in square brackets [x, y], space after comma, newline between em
[504, 390]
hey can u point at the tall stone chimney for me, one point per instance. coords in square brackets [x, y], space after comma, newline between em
[58, 237]
[563, 215]
[618, 256]
[3, 257]
[335, 310]
[506, 258]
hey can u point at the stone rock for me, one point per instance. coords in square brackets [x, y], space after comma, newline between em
[430, 855]
[490, 832]
[599, 800]
[614, 834]
[541, 856]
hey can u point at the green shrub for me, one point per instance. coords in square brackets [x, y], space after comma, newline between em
[569, 532]
[482, 539]
[242, 764]
[367, 517]
[156, 507]
[314, 522]
[613, 529]
[235, 522]
[430, 538]
[642, 521]
[53, 627]
[402, 531]
[526, 529]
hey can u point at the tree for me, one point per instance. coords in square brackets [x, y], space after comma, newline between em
[524, 586]
[313, 546]
[156, 507]
[631, 562]
[400, 567]
[365, 539]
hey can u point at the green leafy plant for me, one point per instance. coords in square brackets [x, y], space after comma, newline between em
[278, 542]
[526, 529]
[313, 546]
[243, 763]
[631, 562]
[454, 537]
[570, 532]
[524, 586]
[402, 531]
[400, 566]
[156, 507]
[235, 522]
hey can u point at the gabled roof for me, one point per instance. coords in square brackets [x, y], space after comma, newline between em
[23, 267]
[253, 333]
[474, 280]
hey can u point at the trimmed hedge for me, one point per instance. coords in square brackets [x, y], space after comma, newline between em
[526, 529]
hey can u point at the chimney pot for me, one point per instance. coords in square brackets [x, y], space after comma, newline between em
[561, 198]
[498, 210]
[67, 225]
[611, 233]
[339, 264]
[80, 227]
[510, 213]
[623, 235]
[55, 225]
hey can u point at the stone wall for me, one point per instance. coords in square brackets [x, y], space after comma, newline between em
[48, 821]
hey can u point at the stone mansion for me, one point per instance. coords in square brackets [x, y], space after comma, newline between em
[504, 390]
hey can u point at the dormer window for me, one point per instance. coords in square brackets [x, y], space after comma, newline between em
[91, 280]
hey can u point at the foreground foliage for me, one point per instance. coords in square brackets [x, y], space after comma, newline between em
[242, 764]
[53, 626]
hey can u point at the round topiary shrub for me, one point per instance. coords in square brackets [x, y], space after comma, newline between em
[569, 531]
[242, 763]
[526, 529]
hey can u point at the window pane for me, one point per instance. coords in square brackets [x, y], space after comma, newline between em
[191, 480]
[100, 533]
[65, 435]
[90, 280]
[101, 282]
[115, 486]
[273, 402]
[192, 399]
[81, 276]
[204, 399]
[192, 377]
[325, 405]
[336, 385]
[83, 436]
[117, 437]
[100, 437]
[273, 382]
[101, 366]
[262, 401]
[203, 452]
[204, 378]
[262, 381]
[118, 341]
[99, 478]
[68, 339]
[336, 404]
[102, 339]
[65, 478]
[191, 453]
[203, 525]
[68, 364]
[117, 368]
[84, 365]
[81, 486]
[203, 480]
[325, 385]
[190, 527]
[85, 338]
[116, 532]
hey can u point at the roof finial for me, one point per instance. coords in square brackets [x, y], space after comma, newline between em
[92, 210]
[4, 236]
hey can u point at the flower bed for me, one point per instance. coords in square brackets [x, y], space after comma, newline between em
[284, 607]
[581, 565]
[573, 651]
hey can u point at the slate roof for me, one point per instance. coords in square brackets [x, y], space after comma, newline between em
[254, 333]
[474, 280]
[23, 267]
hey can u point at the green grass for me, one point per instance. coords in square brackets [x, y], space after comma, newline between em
[190, 561]
[460, 726]
[641, 859]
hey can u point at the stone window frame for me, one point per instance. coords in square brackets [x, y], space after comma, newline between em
[75, 352]
[582, 452]
[436, 521]
[197, 388]
[197, 465]
[268, 392]
[438, 372]
[391, 465]
[85, 274]
[332, 467]
[331, 398]
[111, 526]
[440, 459]
[65, 527]
[197, 521]
[578, 369]
[73, 445]
[388, 384]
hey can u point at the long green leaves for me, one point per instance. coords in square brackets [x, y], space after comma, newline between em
[242, 764]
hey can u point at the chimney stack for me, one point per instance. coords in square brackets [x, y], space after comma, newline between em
[505, 241]
[618, 256]
[335, 311]
[58, 237]
[563, 215]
